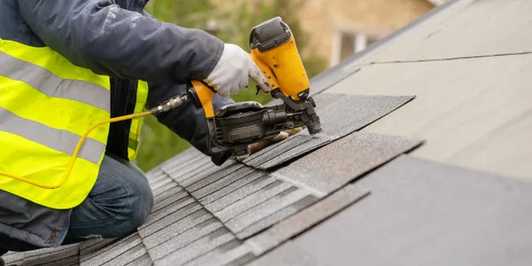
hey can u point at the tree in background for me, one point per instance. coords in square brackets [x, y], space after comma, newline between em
[231, 22]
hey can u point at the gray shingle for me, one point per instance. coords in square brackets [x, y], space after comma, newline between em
[217, 181]
[259, 212]
[344, 160]
[188, 155]
[167, 210]
[159, 186]
[197, 248]
[183, 172]
[155, 175]
[182, 213]
[64, 255]
[183, 235]
[340, 115]
[286, 150]
[130, 256]
[265, 154]
[144, 260]
[312, 143]
[14, 258]
[113, 251]
[307, 218]
[232, 253]
[279, 215]
[424, 213]
[90, 248]
[169, 200]
[252, 200]
[227, 196]
[353, 112]
[159, 240]
[171, 191]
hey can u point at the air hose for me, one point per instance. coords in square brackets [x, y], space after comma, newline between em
[170, 104]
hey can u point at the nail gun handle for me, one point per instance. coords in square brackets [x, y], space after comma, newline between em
[204, 96]
[266, 70]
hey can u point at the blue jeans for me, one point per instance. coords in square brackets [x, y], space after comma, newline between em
[119, 202]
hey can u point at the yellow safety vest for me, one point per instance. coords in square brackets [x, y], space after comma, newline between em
[136, 124]
[46, 105]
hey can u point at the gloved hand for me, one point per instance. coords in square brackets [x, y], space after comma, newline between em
[232, 72]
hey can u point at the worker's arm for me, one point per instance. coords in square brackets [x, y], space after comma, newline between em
[100, 35]
[188, 121]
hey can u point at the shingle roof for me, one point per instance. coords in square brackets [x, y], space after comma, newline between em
[389, 181]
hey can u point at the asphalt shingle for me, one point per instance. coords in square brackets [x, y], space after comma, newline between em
[471, 106]
[353, 156]
[340, 114]
[197, 248]
[423, 213]
[232, 253]
[307, 218]
[353, 112]
[130, 246]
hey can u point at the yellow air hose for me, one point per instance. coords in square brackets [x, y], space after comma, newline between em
[166, 106]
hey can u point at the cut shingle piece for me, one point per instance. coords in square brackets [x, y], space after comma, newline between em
[340, 115]
[353, 112]
[337, 164]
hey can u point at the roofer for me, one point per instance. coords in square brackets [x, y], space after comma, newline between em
[66, 65]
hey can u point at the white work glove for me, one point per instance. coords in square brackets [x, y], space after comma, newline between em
[232, 72]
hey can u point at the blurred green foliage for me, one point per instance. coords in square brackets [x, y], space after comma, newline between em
[232, 25]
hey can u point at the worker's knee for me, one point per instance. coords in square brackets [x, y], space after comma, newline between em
[140, 201]
[137, 202]
[118, 204]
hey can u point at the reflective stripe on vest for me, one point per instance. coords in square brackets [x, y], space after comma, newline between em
[136, 124]
[46, 104]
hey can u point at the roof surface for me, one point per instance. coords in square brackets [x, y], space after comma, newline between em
[439, 179]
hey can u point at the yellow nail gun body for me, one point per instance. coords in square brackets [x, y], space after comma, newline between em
[274, 50]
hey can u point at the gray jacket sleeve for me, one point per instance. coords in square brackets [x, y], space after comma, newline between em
[102, 36]
[188, 121]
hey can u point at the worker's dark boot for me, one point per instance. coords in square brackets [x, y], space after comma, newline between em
[2, 262]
